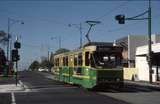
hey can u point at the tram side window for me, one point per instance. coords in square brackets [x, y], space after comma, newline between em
[93, 64]
[63, 61]
[75, 61]
[80, 59]
[66, 60]
[87, 59]
[57, 61]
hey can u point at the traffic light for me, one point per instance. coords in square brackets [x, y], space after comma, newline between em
[15, 56]
[17, 45]
[120, 19]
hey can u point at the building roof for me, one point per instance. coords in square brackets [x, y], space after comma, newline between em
[142, 50]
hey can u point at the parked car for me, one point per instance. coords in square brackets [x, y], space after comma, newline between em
[43, 69]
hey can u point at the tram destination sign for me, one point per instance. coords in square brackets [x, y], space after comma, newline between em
[109, 49]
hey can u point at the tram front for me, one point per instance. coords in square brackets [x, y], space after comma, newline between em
[105, 63]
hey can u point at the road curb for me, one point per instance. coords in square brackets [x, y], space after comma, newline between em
[151, 86]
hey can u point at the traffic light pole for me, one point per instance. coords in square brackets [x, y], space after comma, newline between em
[16, 72]
[16, 58]
[121, 19]
[149, 43]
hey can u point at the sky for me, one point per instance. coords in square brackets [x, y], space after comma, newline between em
[46, 21]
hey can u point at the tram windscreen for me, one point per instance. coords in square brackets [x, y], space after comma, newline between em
[105, 60]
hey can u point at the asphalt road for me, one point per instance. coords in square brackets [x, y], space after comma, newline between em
[134, 94]
[42, 89]
[5, 98]
[47, 91]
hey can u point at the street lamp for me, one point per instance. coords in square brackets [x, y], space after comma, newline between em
[121, 19]
[10, 23]
[59, 40]
[79, 26]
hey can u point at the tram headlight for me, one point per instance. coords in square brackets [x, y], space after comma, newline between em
[87, 71]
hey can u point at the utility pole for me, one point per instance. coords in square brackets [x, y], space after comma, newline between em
[79, 26]
[59, 42]
[48, 52]
[80, 29]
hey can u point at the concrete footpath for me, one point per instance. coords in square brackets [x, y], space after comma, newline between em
[8, 84]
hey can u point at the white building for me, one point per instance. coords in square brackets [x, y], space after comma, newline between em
[130, 43]
[142, 64]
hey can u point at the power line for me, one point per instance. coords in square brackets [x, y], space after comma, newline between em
[53, 21]
[32, 46]
[112, 10]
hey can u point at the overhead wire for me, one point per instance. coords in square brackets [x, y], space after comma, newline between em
[112, 10]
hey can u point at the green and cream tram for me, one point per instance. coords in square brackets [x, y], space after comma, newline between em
[97, 63]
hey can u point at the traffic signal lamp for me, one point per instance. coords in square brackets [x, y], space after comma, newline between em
[17, 45]
[15, 56]
[120, 19]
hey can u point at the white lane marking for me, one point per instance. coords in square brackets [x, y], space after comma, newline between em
[13, 98]
[23, 85]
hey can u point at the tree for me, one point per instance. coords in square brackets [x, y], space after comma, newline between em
[3, 38]
[34, 66]
[44, 64]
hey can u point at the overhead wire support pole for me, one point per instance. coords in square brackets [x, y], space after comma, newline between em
[59, 42]
[80, 29]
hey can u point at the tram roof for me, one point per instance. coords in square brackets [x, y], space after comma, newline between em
[98, 44]
[108, 44]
